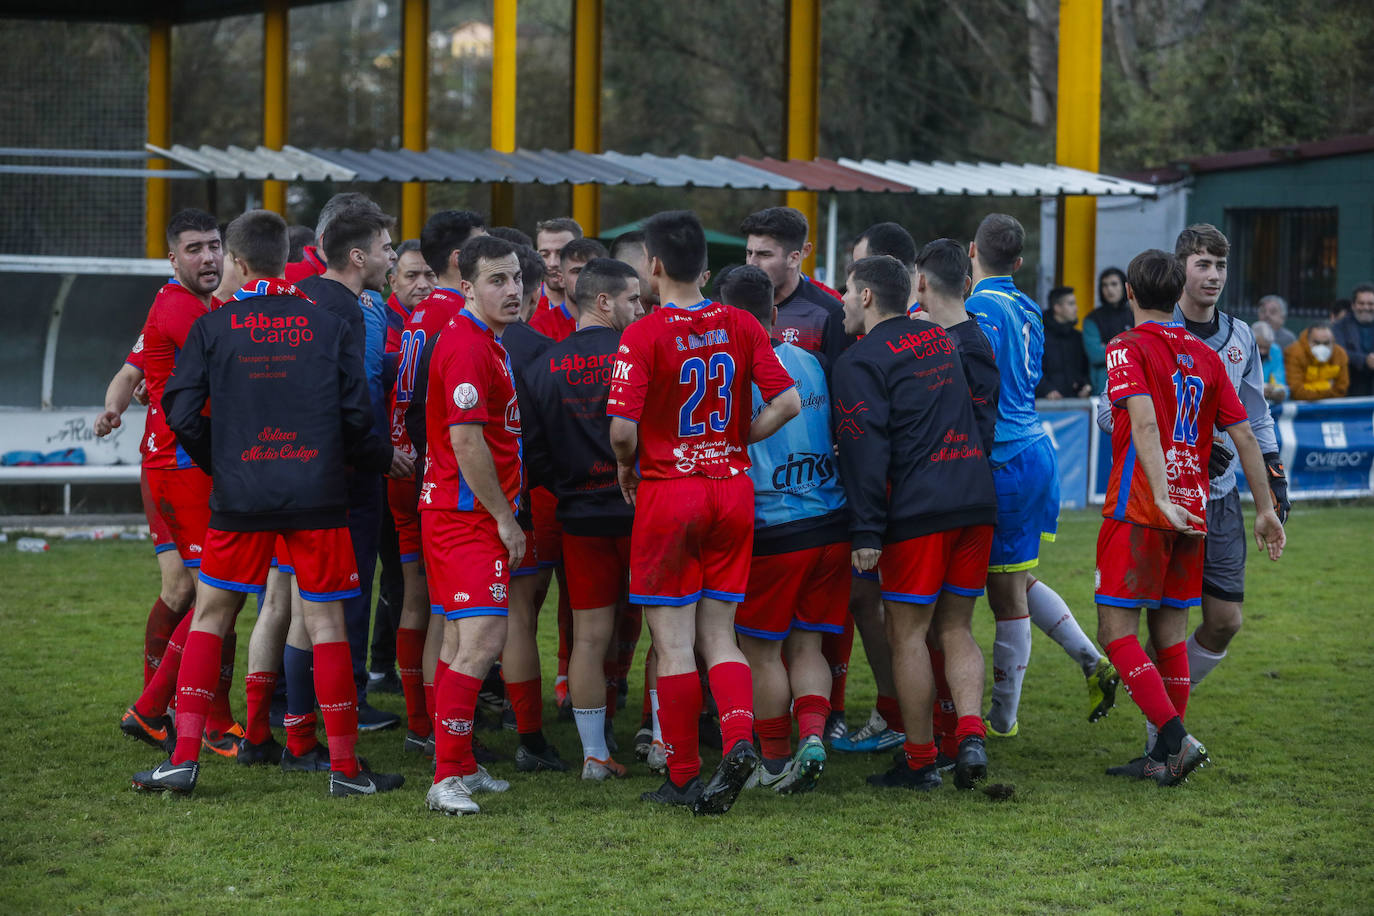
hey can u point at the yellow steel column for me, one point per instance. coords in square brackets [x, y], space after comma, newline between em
[158, 198]
[414, 107]
[586, 105]
[1077, 138]
[274, 62]
[503, 21]
[803, 109]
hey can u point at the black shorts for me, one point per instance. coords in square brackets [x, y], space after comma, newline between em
[1223, 567]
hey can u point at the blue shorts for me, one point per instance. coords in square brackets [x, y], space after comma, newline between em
[1027, 507]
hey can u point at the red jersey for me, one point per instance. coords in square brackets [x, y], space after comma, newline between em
[1192, 394]
[135, 357]
[311, 264]
[395, 324]
[556, 323]
[470, 381]
[428, 318]
[173, 312]
[684, 375]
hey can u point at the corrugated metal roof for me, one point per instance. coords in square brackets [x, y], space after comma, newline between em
[286, 164]
[826, 174]
[985, 179]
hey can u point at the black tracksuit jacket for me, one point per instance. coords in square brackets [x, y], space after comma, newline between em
[568, 435]
[290, 411]
[910, 450]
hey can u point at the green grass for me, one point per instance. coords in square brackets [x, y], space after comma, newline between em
[1281, 821]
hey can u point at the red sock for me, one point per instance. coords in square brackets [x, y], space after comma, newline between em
[195, 688]
[889, 709]
[775, 737]
[1173, 670]
[429, 707]
[162, 621]
[679, 706]
[732, 686]
[527, 703]
[221, 718]
[1142, 679]
[969, 725]
[837, 647]
[919, 755]
[811, 711]
[155, 697]
[258, 687]
[455, 695]
[942, 714]
[440, 669]
[300, 733]
[338, 699]
[410, 653]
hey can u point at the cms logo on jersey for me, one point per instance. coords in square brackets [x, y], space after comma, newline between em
[1116, 359]
[803, 471]
[790, 335]
[1233, 354]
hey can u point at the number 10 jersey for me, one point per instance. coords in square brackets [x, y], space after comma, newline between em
[684, 374]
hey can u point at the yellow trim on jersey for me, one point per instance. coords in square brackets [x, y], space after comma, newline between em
[1015, 567]
[1047, 536]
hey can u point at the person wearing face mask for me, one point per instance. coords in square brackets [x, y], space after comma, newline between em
[1105, 322]
[1317, 366]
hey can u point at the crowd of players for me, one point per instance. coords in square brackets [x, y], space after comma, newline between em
[756, 476]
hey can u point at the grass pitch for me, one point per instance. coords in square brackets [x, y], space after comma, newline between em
[1282, 821]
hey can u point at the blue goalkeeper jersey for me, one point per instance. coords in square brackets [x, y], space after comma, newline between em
[1016, 329]
[796, 480]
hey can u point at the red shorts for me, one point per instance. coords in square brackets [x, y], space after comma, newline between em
[807, 589]
[1139, 566]
[181, 497]
[162, 536]
[693, 536]
[597, 570]
[548, 534]
[321, 560]
[466, 564]
[530, 562]
[402, 499]
[917, 570]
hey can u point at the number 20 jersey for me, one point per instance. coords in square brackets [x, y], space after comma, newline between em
[1192, 394]
[684, 374]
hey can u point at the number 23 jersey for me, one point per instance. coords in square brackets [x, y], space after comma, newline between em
[1192, 395]
[683, 374]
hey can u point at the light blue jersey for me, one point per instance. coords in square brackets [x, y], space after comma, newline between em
[1016, 329]
[794, 472]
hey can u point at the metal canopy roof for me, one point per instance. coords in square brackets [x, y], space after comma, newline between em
[551, 167]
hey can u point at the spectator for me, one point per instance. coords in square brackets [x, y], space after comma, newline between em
[1355, 332]
[1273, 311]
[1339, 309]
[1271, 359]
[1106, 321]
[1064, 364]
[1318, 367]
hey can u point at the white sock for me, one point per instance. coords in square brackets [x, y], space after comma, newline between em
[1151, 736]
[653, 714]
[1201, 661]
[591, 728]
[1010, 656]
[1051, 614]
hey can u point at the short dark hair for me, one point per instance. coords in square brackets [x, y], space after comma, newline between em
[1319, 325]
[1361, 288]
[408, 246]
[1000, 238]
[1197, 239]
[676, 238]
[889, 280]
[333, 205]
[531, 265]
[298, 237]
[1058, 293]
[1111, 272]
[1339, 307]
[1156, 278]
[603, 275]
[786, 224]
[625, 241]
[582, 249]
[445, 233]
[945, 265]
[354, 225]
[750, 289]
[478, 248]
[890, 239]
[258, 238]
[512, 235]
[189, 220]
[558, 224]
